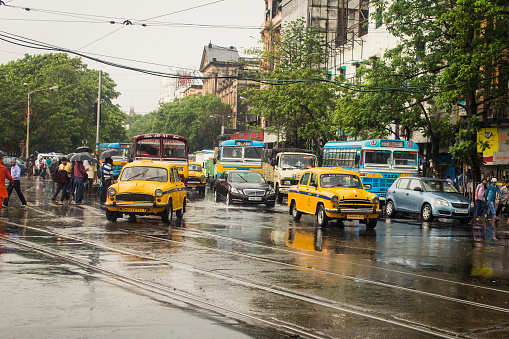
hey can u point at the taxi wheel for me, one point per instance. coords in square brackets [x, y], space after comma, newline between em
[111, 216]
[321, 217]
[178, 221]
[293, 211]
[167, 215]
[371, 223]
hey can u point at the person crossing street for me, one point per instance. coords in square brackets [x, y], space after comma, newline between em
[63, 179]
[15, 184]
[107, 177]
[4, 174]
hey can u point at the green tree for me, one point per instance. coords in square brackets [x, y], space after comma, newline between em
[300, 111]
[63, 119]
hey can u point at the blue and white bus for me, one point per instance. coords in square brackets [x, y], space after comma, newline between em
[379, 161]
[239, 155]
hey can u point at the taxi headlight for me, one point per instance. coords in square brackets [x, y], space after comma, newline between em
[158, 193]
[442, 202]
[375, 200]
[111, 192]
[334, 199]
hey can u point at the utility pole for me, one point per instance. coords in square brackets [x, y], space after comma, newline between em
[98, 114]
[27, 154]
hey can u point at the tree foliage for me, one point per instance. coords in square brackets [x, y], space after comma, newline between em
[61, 119]
[301, 112]
[197, 118]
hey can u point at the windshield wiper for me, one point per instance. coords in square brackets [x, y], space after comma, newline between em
[240, 176]
[135, 176]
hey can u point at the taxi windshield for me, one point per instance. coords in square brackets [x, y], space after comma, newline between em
[340, 180]
[247, 177]
[300, 161]
[195, 168]
[144, 173]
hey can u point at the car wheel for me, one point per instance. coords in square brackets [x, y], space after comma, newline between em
[271, 204]
[168, 214]
[228, 199]
[178, 220]
[293, 211]
[279, 196]
[216, 196]
[426, 213]
[321, 217]
[111, 216]
[371, 223]
[390, 211]
[132, 217]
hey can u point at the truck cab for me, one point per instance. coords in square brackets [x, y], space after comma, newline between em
[282, 168]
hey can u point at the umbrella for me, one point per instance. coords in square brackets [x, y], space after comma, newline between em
[82, 157]
[70, 155]
[83, 149]
[110, 153]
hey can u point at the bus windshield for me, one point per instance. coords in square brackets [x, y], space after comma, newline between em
[378, 158]
[232, 153]
[300, 161]
[405, 159]
[148, 148]
[115, 153]
[340, 180]
[196, 168]
[253, 153]
[173, 149]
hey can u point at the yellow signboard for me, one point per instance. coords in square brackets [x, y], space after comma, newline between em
[487, 141]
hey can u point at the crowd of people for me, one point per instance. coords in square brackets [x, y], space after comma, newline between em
[487, 196]
[72, 179]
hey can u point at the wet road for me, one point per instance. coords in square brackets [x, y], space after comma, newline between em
[245, 271]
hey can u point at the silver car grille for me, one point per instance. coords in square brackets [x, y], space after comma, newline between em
[254, 192]
[460, 204]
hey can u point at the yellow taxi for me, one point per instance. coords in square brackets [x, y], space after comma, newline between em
[333, 193]
[147, 187]
[196, 180]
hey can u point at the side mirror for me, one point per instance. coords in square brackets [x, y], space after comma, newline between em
[418, 189]
[367, 187]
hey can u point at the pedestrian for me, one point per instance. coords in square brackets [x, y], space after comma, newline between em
[42, 168]
[90, 168]
[449, 180]
[63, 179]
[491, 195]
[80, 175]
[4, 174]
[15, 184]
[503, 203]
[107, 177]
[480, 198]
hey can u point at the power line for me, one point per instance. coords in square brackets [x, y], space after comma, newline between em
[184, 10]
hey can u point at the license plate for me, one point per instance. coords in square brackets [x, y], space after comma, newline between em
[355, 216]
[133, 210]
[460, 211]
[255, 199]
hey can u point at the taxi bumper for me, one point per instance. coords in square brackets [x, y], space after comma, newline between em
[353, 213]
[145, 208]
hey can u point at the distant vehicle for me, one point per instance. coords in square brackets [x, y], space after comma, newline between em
[333, 193]
[246, 187]
[378, 161]
[21, 164]
[238, 155]
[428, 197]
[282, 168]
[170, 148]
[119, 153]
[147, 188]
[203, 156]
[196, 180]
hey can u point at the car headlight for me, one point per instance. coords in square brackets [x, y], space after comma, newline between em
[334, 199]
[111, 192]
[442, 202]
[472, 204]
[158, 193]
[271, 190]
[236, 190]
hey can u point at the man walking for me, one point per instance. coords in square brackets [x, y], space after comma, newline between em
[79, 180]
[4, 174]
[63, 179]
[491, 196]
[107, 177]
[15, 184]
[480, 198]
[504, 200]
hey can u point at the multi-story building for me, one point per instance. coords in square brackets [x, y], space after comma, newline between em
[193, 90]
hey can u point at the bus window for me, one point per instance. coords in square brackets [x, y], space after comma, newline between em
[232, 153]
[148, 148]
[173, 149]
[404, 159]
[378, 158]
[253, 153]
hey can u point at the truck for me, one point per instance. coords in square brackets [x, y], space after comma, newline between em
[281, 167]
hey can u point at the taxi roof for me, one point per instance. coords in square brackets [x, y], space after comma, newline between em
[151, 163]
[328, 170]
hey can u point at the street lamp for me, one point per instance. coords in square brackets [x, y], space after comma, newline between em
[28, 114]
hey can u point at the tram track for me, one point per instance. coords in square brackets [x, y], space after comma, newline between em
[309, 299]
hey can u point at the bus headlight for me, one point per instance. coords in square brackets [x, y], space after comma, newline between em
[111, 192]
[158, 193]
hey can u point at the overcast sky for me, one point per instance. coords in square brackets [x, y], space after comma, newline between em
[165, 44]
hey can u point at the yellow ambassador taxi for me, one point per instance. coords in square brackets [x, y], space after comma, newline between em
[196, 180]
[333, 193]
[147, 187]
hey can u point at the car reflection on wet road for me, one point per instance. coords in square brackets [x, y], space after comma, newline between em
[247, 271]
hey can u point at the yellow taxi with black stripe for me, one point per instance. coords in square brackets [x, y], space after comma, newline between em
[333, 193]
[196, 179]
[147, 187]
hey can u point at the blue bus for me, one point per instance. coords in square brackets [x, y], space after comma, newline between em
[379, 161]
[120, 155]
[239, 155]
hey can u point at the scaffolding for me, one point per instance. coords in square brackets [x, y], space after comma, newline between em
[343, 23]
